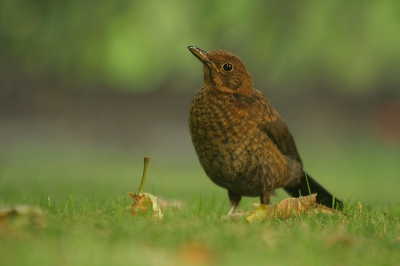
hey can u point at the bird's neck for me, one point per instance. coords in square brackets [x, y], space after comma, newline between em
[214, 88]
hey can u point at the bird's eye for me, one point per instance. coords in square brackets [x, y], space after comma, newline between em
[227, 67]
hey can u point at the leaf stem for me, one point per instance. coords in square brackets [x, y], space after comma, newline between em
[146, 164]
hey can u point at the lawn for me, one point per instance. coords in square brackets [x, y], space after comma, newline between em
[83, 192]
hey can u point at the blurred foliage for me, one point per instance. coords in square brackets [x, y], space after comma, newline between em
[351, 46]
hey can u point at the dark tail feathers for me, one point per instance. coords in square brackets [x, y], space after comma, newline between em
[323, 196]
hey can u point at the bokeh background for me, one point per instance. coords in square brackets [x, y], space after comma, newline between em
[87, 88]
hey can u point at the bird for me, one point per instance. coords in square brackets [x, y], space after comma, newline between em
[241, 141]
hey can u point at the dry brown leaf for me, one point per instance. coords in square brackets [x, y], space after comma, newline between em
[285, 209]
[164, 204]
[22, 216]
[142, 202]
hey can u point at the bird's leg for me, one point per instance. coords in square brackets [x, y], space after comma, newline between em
[234, 199]
[264, 198]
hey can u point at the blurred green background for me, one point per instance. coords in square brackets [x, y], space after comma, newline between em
[88, 88]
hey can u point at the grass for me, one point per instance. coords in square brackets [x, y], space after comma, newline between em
[83, 192]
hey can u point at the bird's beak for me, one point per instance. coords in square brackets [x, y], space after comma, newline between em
[199, 53]
[202, 56]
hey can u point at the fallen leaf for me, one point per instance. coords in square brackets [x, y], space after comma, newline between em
[164, 204]
[143, 202]
[22, 216]
[285, 209]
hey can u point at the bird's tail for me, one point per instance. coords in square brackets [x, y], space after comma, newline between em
[307, 184]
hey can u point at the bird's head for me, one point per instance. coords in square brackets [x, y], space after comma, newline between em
[224, 71]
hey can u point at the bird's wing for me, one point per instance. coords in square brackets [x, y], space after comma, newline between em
[279, 133]
[271, 123]
[276, 129]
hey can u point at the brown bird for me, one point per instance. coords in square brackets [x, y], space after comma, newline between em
[241, 141]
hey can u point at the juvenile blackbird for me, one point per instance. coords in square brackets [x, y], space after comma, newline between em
[241, 141]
